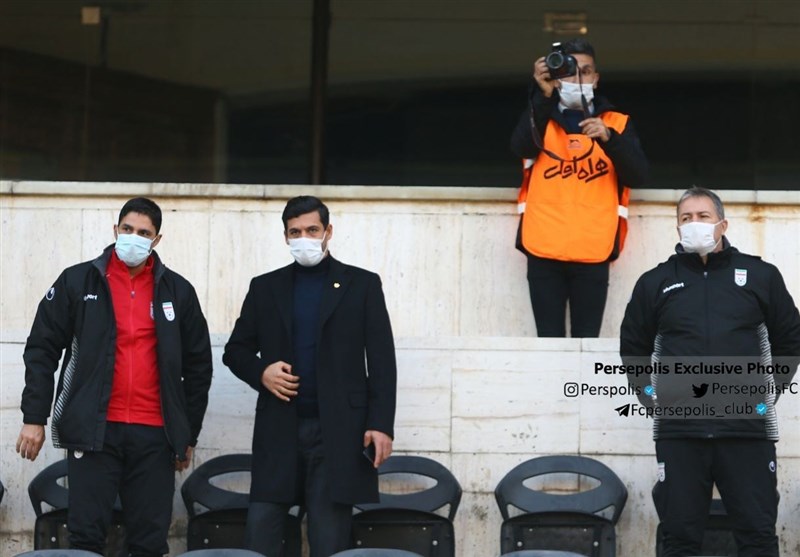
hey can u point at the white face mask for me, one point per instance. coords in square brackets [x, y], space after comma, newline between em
[307, 252]
[133, 249]
[698, 237]
[570, 94]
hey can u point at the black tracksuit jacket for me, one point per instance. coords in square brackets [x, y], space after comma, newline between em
[735, 308]
[77, 315]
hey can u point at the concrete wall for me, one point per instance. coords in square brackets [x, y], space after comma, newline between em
[476, 391]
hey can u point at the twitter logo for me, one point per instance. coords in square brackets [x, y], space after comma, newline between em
[700, 392]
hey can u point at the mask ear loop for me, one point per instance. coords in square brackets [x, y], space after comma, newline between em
[586, 112]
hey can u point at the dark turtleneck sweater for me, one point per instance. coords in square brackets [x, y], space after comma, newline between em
[309, 283]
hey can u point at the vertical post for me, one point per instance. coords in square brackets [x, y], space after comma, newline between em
[105, 23]
[319, 80]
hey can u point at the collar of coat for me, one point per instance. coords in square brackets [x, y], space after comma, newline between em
[338, 281]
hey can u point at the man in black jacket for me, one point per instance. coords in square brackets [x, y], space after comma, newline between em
[713, 321]
[314, 340]
[133, 387]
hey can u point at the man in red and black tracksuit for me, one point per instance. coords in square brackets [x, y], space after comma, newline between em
[133, 387]
[721, 323]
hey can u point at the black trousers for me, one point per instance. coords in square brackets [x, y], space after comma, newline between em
[136, 463]
[552, 283]
[744, 471]
[329, 523]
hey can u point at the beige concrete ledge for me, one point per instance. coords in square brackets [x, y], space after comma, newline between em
[363, 192]
[257, 191]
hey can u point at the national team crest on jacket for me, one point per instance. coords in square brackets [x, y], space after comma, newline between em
[740, 277]
[169, 311]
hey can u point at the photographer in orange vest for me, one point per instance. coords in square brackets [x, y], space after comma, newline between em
[580, 156]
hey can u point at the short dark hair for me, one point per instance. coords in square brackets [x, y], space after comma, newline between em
[579, 46]
[697, 191]
[143, 206]
[303, 204]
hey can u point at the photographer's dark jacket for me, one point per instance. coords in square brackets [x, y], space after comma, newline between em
[77, 315]
[624, 148]
[575, 206]
[734, 309]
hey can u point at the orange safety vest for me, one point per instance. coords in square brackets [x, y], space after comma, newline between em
[574, 210]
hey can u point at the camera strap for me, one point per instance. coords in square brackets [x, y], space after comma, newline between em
[586, 112]
[537, 136]
[537, 140]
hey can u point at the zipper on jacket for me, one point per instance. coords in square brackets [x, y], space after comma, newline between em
[705, 299]
[711, 433]
[131, 349]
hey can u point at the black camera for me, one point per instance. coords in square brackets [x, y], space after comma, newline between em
[560, 63]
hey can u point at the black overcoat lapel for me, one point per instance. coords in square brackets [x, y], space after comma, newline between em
[283, 292]
[335, 288]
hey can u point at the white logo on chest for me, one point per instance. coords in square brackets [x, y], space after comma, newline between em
[169, 311]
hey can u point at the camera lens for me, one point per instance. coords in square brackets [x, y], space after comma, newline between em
[554, 60]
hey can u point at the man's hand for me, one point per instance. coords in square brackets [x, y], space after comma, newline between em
[382, 442]
[30, 441]
[596, 129]
[278, 380]
[181, 465]
[541, 74]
